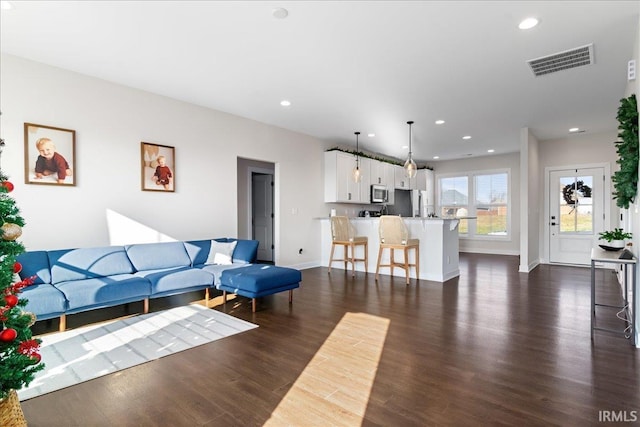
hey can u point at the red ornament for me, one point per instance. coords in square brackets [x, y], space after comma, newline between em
[11, 300]
[17, 267]
[35, 358]
[8, 335]
[8, 185]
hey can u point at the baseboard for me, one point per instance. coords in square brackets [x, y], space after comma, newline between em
[531, 266]
[490, 252]
[304, 265]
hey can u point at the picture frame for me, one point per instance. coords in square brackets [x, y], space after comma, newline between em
[158, 167]
[49, 155]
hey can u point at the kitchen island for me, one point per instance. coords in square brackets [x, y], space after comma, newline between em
[438, 247]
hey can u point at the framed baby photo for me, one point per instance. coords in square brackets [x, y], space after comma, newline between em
[49, 155]
[158, 167]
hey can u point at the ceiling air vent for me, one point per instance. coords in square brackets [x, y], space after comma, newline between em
[562, 61]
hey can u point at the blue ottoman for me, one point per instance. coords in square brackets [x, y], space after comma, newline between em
[258, 280]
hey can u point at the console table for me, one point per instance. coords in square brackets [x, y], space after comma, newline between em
[599, 255]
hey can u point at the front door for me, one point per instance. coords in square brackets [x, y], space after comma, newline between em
[576, 214]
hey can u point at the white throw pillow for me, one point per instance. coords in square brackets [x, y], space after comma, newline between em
[221, 253]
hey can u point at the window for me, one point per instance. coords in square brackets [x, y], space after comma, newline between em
[489, 202]
[454, 199]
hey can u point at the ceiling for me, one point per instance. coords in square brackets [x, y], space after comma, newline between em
[346, 66]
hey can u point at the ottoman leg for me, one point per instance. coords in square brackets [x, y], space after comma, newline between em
[290, 296]
[224, 297]
[253, 305]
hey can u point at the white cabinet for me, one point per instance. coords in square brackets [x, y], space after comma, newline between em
[402, 180]
[382, 173]
[339, 186]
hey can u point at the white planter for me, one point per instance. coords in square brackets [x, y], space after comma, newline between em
[614, 245]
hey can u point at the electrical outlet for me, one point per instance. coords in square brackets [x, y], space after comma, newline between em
[631, 70]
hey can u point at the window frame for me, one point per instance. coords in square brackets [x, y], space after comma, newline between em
[472, 205]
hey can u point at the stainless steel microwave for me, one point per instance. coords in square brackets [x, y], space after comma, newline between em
[379, 194]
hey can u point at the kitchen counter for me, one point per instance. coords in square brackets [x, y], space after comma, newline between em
[438, 246]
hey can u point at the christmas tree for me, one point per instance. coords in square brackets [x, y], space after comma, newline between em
[19, 358]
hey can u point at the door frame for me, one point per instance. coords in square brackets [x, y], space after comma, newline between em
[606, 188]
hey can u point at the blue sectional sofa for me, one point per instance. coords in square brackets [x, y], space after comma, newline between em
[74, 280]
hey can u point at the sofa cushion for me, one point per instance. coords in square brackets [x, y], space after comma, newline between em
[45, 301]
[259, 280]
[245, 251]
[103, 291]
[182, 279]
[155, 256]
[217, 269]
[86, 263]
[35, 263]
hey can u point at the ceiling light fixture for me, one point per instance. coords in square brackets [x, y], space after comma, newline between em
[439, 122]
[466, 137]
[490, 150]
[574, 130]
[528, 23]
[436, 157]
[357, 174]
[285, 103]
[410, 166]
[371, 135]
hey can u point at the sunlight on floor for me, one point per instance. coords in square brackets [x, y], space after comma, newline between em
[335, 386]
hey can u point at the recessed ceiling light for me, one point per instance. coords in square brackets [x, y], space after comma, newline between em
[436, 157]
[285, 103]
[5, 5]
[405, 147]
[491, 150]
[466, 137]
[371, 135]
[528, 23]
[574, 129]
[280, 13]
[439, 122]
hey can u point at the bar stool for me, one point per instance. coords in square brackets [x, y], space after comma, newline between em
[394, 235]
[343, 234]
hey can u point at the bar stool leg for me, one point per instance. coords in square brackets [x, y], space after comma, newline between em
[406, 263]
[378, 263]
[417, 262]
[333, 246]
[366, 257]
[353, 259]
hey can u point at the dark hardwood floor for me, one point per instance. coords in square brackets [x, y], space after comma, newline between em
[492, 347]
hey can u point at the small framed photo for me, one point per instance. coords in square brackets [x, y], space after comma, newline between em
[158, 167]
[49, 155]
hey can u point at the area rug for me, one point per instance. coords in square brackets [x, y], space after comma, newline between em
[82, 354]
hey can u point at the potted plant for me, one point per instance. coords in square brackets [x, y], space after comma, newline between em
[615, 238]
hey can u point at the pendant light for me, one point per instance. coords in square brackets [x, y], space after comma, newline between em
[410, 166]
[357, 173]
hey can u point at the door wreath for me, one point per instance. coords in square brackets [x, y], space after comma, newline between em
[570, 192]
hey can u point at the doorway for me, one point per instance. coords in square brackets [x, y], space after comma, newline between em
[577, 213]
[262, 215]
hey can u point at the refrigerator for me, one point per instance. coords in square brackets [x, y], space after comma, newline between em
[419, 204]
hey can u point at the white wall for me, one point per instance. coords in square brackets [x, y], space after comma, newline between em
[511, 161]
[110, 122]
[634, 211]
